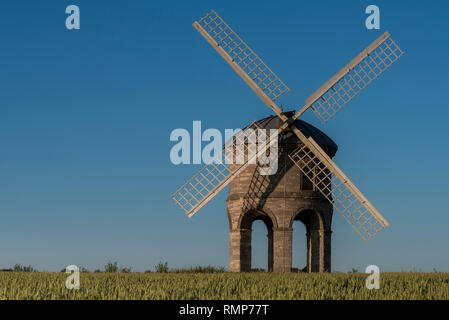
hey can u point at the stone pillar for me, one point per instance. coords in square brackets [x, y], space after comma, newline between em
[282, 250]
[327, 251]
[270, 249]
[314, 251]
[240, 250]
[319, 251]
[309, 252]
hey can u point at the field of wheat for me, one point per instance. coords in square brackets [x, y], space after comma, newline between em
[42, 285]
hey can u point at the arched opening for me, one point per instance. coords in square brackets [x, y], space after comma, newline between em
[307, 241]
[261, 242]
[299, 246]
[260, 239]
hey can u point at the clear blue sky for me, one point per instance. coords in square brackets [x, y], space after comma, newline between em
[85, 119]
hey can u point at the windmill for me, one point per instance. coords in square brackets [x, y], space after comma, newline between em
[309, 157]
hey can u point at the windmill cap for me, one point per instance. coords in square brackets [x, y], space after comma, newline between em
[273, 122]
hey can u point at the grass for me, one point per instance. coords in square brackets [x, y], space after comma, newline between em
[46, 285]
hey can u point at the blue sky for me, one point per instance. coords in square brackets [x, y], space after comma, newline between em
[86, 115]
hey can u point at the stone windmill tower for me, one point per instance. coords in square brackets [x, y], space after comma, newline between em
[278, 200]
[308, 185]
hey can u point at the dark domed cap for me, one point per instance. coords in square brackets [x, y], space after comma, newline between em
[273, 122]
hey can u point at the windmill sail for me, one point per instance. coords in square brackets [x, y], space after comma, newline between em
[259, 77]
[215, 176]
[354, 77]
[336, 187]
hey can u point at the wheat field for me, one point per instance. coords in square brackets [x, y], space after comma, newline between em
[154, 286]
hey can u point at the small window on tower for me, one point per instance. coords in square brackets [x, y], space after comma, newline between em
[306, 184]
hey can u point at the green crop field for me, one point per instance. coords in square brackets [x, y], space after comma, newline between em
[404, 285]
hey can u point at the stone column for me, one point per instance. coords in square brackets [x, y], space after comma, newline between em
[319, 251]
[314, 251]
[270, 249]
[309, 252]
[240, 250]
[327, 251]
[282, 250]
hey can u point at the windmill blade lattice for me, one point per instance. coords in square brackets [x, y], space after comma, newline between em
[242, 59]
[243, 55]
[215, 176]
[333, 184]
[354, 77]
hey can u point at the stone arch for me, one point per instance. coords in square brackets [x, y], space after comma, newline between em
[246, 219]
[241, 237]
[311, 215]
